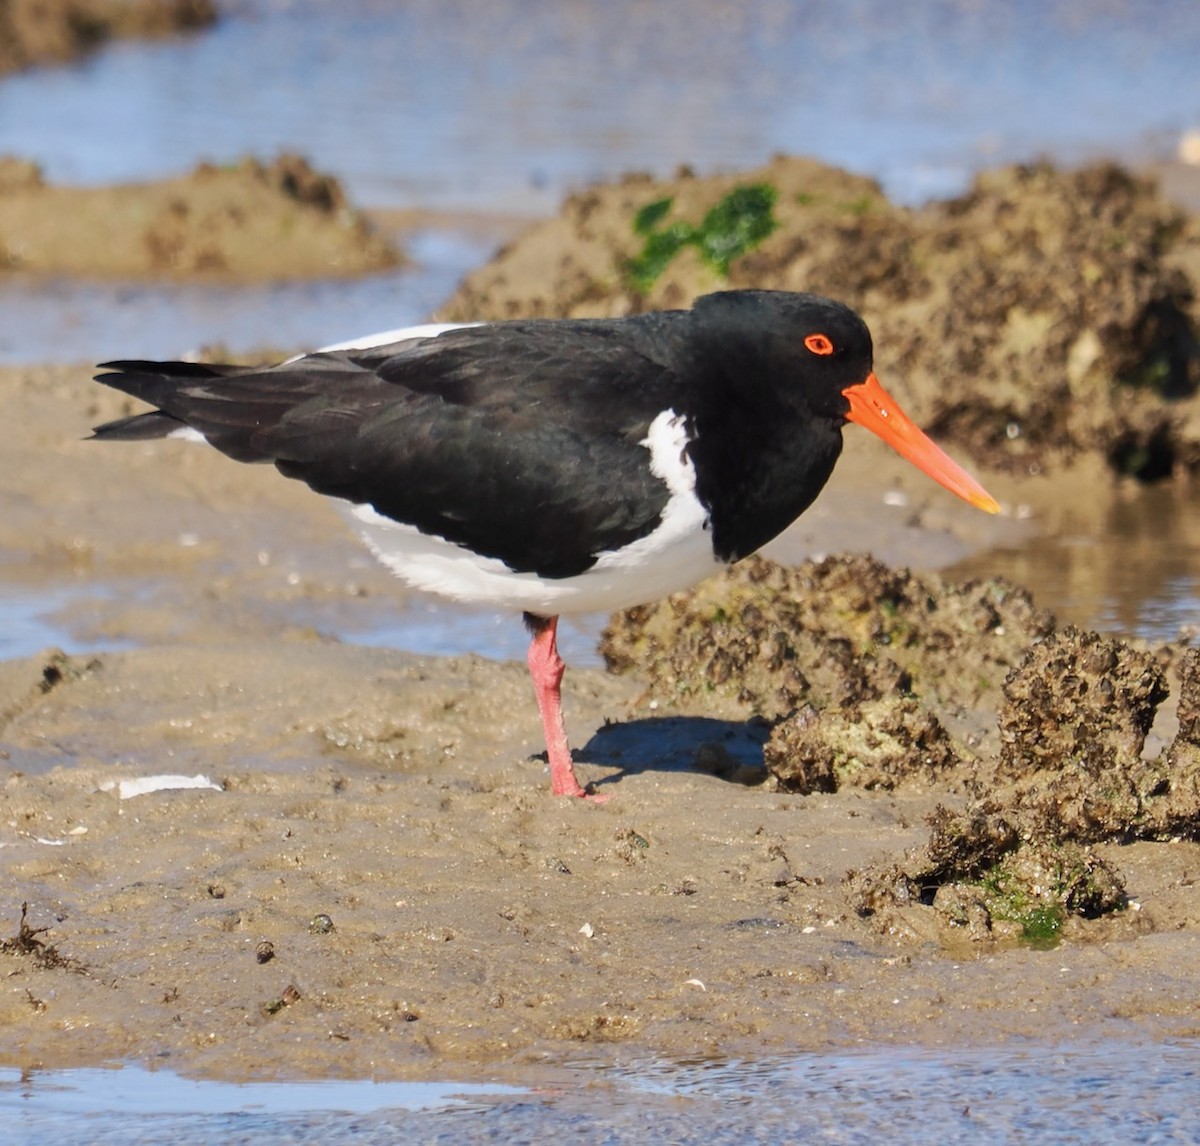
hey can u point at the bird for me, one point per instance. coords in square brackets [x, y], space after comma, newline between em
[557, 466]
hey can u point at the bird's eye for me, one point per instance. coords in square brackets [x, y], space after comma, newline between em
[819, 343]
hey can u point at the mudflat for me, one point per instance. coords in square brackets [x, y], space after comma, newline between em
[845, 799]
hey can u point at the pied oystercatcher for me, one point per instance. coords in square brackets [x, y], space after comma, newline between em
[557, 466]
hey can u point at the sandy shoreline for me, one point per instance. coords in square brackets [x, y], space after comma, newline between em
[477, 923]
[394, 794]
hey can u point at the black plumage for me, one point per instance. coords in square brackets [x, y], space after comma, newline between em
[522, 440]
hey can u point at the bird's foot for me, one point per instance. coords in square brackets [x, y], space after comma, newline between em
[546, 671]
[564, 783]
[590, 796]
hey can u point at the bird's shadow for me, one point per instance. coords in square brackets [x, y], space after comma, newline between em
[728, 749]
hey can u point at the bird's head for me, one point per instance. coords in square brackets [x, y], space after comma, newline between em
[821, 354]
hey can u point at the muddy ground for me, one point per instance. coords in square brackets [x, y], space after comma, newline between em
[36, 32]
[250, 222]
[826, 785]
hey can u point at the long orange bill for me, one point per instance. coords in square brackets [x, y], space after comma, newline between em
[871, 406]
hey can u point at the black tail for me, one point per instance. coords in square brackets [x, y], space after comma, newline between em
[186, 397]
[243, 411]
[138, 428]
[151, 382]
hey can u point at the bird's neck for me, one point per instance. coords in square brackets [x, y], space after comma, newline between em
[755, 485]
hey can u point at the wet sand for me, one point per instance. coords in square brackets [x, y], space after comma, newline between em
[374, 881]
[475, 920]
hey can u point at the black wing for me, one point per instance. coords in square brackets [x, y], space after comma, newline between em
[519, 440]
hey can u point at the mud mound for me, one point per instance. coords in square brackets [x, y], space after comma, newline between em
[1040, 315]
[984, 881]
[1074, 725]
[861, 666]
[252, 223]
[1070, 775]
[576, 264]
[869, 675]
[1078, 697]
[876, 744]
[841, 632]
[1057, 322]
[54, 31]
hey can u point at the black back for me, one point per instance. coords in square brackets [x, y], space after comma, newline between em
[522, 439]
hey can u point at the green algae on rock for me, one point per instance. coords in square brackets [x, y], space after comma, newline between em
[735, 226]
[978, 873]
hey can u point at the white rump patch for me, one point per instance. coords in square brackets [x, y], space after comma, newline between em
[187, 434]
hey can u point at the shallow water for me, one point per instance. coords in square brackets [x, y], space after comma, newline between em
[1101, 1093]
[504, 107]
[29, 619]
[69, 616]
[1132, 572]
[66, 321]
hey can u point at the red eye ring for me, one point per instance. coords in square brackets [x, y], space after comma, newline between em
[819, 343]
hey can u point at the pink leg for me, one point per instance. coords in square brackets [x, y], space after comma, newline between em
[546, 668]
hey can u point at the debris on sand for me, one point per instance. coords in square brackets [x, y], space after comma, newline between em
[27, 944]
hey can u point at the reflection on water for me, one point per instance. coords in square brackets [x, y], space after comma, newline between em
[441, 628]
[28, 624]
[1128, 564]
[1107, 1091]
[133, 1091]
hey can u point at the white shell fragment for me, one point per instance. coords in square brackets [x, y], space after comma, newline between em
[127, 789]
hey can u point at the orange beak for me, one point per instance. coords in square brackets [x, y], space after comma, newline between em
[871, 406]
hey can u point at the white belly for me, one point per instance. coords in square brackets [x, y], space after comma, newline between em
[661, 563]
[677, 554]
